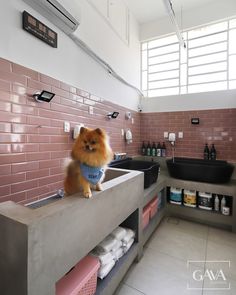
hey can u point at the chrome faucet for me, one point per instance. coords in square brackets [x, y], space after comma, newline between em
[172, 139]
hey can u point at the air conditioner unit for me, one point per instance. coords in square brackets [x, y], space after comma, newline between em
[56, 13]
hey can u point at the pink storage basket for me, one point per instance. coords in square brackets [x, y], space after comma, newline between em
[146, 215]
[153, 207]
[81, 280]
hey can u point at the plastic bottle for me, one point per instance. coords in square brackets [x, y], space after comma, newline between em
[143, 150]
[163, 150]
[216, 203]
[153, 149]
[149, 149]
[206, 152]
[159, 149]
[223, 203]
[213, 152]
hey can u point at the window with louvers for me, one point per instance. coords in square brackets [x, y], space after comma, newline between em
[207, 64]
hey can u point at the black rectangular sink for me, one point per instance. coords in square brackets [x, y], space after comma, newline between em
[214, 171]
[150, 169]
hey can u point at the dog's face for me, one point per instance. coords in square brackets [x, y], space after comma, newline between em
[92, 147]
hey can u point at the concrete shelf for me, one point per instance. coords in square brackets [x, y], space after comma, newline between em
[108, 285]
[202, 216]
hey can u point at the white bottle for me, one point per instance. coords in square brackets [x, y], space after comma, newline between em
[223, 203]
[217, 204]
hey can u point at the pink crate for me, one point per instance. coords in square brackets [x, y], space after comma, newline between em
[153, 207]
[146, 215]
[81, 280]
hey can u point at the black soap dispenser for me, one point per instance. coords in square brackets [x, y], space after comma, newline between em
[213, 152]
[206, 152]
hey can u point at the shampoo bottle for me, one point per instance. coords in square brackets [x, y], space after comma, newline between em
[213, 153]
[217, 203]
[206, 152]
[153, 149]
[143, 150]
[149, 149]
[223, 203]
[159, 149]
[163, 150]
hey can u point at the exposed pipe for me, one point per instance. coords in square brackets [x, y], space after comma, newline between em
[102, 62]
[171, 13]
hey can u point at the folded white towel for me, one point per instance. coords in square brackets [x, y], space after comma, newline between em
[105, 269]
[119, 233]
[129, 235]
[105, 258]
[106, 245]
[127, 247]
[118, 253]
[116, 246]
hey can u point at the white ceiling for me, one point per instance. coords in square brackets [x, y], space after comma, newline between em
[150, 10]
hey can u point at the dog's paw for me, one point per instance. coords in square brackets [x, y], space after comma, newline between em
[98, 187]
[87, 194]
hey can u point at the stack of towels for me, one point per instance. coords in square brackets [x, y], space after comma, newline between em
[112, 248]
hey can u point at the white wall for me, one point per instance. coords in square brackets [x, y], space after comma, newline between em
[195, 101]
[217, 10]
[68, 62]
[200, 101]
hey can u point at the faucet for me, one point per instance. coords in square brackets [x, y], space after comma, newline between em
[172, 139]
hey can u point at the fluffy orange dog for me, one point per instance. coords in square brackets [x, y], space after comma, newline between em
[90, 155]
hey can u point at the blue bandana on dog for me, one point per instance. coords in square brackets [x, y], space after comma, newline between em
[92, 174]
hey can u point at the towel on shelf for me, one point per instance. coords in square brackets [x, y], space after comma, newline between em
[106, 245]
[129, 235]
[127, 247]
[119, 233]
[104, 258]
[118, 253]
[105, 269]
[116, 246]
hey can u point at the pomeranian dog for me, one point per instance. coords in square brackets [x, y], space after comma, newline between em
[90, 154]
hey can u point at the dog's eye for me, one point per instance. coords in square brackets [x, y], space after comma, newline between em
[85, 141]
[93, 142]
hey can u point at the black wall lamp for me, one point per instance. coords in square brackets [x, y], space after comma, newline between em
[43, 96]
[113, 115]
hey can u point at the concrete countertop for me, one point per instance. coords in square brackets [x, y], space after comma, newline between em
[164, 180]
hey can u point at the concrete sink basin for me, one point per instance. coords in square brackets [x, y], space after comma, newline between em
[200, 170]
[110, 174]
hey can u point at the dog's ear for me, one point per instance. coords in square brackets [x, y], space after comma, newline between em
[82, 130]
[99, 131]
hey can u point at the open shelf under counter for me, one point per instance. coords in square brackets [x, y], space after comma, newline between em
[228, 189]
[208, 217]
[153, 223]
[153, 190]
[108, 285]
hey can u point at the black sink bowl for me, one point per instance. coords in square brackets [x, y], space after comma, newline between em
[150, 169]
[200, 170]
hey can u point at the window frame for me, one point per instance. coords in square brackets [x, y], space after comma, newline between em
[187, 62]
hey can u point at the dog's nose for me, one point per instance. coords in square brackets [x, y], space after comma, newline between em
[87, 147]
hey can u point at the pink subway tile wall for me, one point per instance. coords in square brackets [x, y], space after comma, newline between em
[216, 126]
[33, 145]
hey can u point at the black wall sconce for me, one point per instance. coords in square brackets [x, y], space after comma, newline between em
[45, 96]
[113, 115]
[195, 121]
